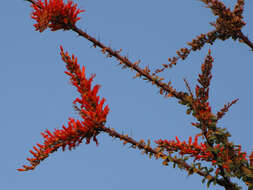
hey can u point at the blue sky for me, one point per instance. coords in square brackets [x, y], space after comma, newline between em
[36, 94]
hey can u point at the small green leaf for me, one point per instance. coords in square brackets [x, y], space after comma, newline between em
[209, 183]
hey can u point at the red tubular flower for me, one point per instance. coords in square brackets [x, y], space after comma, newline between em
[55, 14]
[91, 110]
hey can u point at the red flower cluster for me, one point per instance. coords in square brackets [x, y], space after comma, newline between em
[201, 151]
[91, 110]
[91, 107]
[201, 105]
[192, 148]
[55, 14]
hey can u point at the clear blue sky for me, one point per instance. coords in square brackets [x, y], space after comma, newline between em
[36, 94]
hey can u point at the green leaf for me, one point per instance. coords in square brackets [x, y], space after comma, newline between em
[209, 183]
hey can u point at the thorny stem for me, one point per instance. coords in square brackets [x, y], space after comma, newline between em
[125, 60]
[31, 1]
[228, 185]
[245, 39]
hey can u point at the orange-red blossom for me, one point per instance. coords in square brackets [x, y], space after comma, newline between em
[91, 110]
[55, 14]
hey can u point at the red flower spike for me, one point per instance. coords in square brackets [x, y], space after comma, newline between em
[91, 110]
[201, 105]
[55, 14]
[201, 152]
